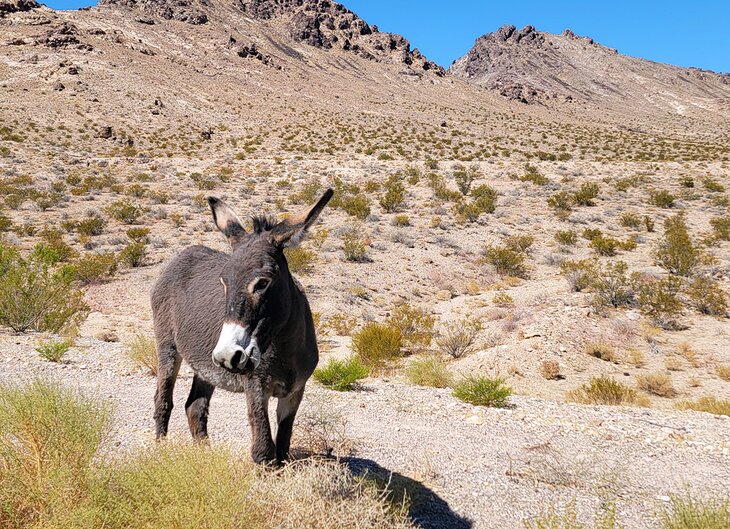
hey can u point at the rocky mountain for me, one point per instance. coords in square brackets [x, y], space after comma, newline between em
[531, 66]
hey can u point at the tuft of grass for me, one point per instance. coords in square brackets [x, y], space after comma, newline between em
[707, 404]
[483, 391]
[607, 391]
[602, 350]
[430, 371]
[568, 519]
[341, 375]
[143, 352]
[378, 344]
[693, 513]
[53, 350]
[723, 371]
[659, 384]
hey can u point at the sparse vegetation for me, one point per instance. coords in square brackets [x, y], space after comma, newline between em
[708, 405]
[341, 375]
[378, 345]
[457, 338]
[483, 391]
[429, 371]
[142, 350]
[676, 251]
[53, 350]
[694, 513]
[659, 384]
[607, 391]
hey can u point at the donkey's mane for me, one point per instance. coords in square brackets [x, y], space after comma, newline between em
[262, 223]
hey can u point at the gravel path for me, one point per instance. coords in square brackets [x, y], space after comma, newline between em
[465, 466]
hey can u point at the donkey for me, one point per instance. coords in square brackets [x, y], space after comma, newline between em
[242, 323]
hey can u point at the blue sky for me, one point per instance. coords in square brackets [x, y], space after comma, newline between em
[684, 33]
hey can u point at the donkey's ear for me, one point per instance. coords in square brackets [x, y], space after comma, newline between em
[291, 231]
[226, 220]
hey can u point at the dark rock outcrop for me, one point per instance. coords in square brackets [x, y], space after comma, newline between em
[13, 6]
[180, 10]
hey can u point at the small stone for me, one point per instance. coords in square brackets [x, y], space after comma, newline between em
[58, 86]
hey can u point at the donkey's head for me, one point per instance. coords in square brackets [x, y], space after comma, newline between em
[256, 282]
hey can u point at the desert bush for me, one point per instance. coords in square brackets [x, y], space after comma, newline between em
[550, 370]
[661, 198]
[708, 405]
[395, 194]
[483, 391]
[124, 211]
[133, 254]
[48, 438]
[354, 246]
[631, 220]
[586, 194]
[604, 246]
[93, 225]
[692, 513]
[723, 371]
[401, 221]
[93, 268]
[532, 174]
[502, 299]
[659, 299]
[307, 194]
[415, 325]
[721, 228]
[706, 295]
[506, 261]
[607, 391]
[53, 243]
[687, 182]
[35, 295]
[299, 259]
[464, 177]
[430, 371]
[676, 251]
[457, 338]
[601, 350]
[484, 198]
[648, 223]
[53, 350]
[142, 350]
[612, 286]
[341, 375]
[378, 345]
[579, 274]
[566, 237]
[659, 384]
[520, 243]
[713, 185]
[356, 205]
[561, 202]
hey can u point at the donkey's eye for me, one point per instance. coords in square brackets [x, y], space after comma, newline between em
[261, 284]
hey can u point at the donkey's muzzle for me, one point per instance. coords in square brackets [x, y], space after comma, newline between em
[236, 350]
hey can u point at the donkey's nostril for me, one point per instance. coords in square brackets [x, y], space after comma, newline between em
[236, 358]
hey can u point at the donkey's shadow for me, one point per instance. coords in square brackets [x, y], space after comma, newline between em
[427, 510]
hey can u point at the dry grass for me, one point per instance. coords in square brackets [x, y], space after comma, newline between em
[550, 370]
[53, 477]
[602, 351]
[707, 404]
[723, 371]
[659, 384]
[607, 391]
[693, 513]
[143, 352]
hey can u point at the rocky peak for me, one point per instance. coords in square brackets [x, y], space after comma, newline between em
[188, 11]
[13, 6]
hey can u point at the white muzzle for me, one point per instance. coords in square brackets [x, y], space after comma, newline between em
[235, 347]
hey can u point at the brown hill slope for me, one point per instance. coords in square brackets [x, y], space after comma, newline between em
[536, 67]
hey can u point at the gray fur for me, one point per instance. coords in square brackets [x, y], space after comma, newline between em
[190, 305]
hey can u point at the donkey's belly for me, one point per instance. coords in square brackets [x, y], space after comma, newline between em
[221, 378]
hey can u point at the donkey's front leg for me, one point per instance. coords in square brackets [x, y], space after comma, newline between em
[286, 411]
[262, 446]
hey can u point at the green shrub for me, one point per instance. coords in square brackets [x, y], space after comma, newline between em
[415, 325]
[506, 261]
[354, 246]
[662, 198]
[607, 391]
[341, 375]
[378, 345]
[429, 371]
[713, 185]
[585, 195]
[53, 350]
[356, 205]
[53, 243]
[484, 198]
[401, 221]
[142, 350]
[631, 220]
[721, 228]
[604, 246]
[612, 286]
[676, 252]
[35, 295]
[90, 226]
[300, 260]
[519, 243]
[691, 513]
[483, 391]
[561, 202]
[579, 274]
[708, 405]
[395, 194]
[566, 237]
[532, 174]
[687, 181]
[133, 254]
[457, 338]
[465, 177]
[124, 211]
[93, 268]
[307, 194]
[706, 295]
[659, 299]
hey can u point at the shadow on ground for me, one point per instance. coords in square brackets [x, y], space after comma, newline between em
[427, 509]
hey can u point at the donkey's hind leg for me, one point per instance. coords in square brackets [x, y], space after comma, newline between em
[168, 364]
[196, 408]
